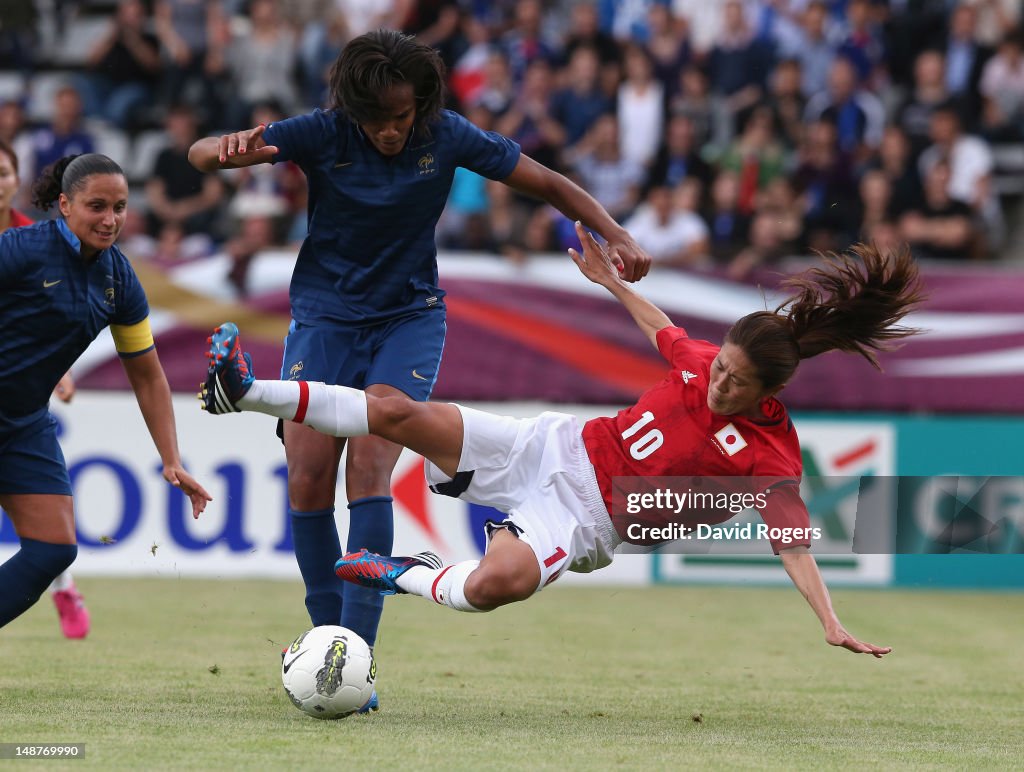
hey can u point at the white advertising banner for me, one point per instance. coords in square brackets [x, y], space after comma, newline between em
[132, 523]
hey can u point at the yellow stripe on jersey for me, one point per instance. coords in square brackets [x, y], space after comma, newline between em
[132, 339]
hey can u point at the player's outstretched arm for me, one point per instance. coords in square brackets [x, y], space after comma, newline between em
[597, 265]
[154, 397]
[574, 202]
[803, 570]
[232, 151]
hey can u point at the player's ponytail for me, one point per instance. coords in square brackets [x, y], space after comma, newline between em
[853, 303]
[67, 175]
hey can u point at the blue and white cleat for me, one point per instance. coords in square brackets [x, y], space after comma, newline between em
[230, 374]
[372, 705]
[379, 572]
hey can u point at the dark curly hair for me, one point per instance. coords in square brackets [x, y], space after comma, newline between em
[853, 303]
[67, 175]
[371, 64]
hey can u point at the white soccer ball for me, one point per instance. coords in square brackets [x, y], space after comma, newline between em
[328, 672]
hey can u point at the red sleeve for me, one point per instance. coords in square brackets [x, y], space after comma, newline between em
[666, 340]
[787, 519]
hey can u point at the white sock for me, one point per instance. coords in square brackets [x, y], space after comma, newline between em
[445, 586]
[335, 410]
[62, 582]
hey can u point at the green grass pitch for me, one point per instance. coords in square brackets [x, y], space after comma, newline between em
[185, 674]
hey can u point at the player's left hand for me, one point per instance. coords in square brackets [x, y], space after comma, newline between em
[839, 637]
[179, 478]
[65, 388]
[629, 257]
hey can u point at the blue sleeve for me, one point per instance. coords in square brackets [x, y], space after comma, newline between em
[12, 266]
[132, 306]
[299, 139]
[487, 153]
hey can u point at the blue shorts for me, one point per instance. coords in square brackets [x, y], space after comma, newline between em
[31, 460]
[404, 353]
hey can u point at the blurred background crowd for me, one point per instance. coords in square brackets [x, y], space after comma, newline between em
[724, 134]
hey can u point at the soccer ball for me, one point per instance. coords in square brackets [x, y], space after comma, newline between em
[328, 672]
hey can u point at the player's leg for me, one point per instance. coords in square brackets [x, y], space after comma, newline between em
[45, 524]
[313, 460]
[405, 357]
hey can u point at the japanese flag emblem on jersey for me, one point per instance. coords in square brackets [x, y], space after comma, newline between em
[730, 440]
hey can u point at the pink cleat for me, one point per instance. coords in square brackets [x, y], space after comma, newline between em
[74, 616]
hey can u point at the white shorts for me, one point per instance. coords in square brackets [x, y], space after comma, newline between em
[537, 471]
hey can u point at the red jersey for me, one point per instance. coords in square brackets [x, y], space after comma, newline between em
[670, 431]
[18, 219]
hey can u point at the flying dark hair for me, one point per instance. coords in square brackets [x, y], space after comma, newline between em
[853, 303]
[8, 151]
[67, 175]
[371, 64]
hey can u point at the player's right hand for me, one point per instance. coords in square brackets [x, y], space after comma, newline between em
[839, 637]
[245, 148]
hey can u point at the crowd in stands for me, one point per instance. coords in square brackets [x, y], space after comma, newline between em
[720, 132]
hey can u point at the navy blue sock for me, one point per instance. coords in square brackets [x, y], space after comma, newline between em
[28, 572]
[371, 524]
[317, 549]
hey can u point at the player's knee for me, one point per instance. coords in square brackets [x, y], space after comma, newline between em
[497, 585]
[51, 559]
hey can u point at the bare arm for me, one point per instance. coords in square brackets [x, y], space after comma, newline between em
[803, 570]
[570, 199]
[154, 397]
[597, 266]
[231, 151]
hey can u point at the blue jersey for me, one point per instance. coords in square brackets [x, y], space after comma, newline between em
[53, 304]
[370, 254]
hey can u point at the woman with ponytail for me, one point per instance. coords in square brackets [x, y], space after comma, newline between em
[61, 282]
[715, 415]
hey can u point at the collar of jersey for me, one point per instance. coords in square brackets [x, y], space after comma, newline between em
[72, 240]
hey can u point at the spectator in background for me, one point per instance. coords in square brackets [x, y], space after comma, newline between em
[965, 58]
[524, 42]
[641, 107]
[585, 30]
[862, 42]
[578, 106]
[874, 203]
[65, 134]
[180, 197]
[528, 120]
[738, 63]
[727, 225]
[267, 200]
[693, 100]
[756, 156]
[1002, 87]
[787, 102]
[995, 19]
[671, 236]
[498, 90]
[679, 157]
[915, 114]
[433, 22]
[627, 19]
[857, 114]
[897, 162]
[260, 65]
[668, 44]
[764, 245]
[941, 227]
[614, 180]
[14, 131]
[824, 180]
[123, 69]
[970, 164]
[192, 37]
[813, 47]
